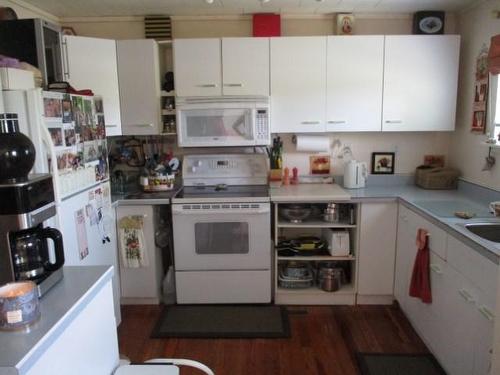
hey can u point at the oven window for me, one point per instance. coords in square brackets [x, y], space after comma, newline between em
[221, 238]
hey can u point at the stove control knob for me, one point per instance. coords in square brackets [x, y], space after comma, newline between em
[193, 169]
[197, 163]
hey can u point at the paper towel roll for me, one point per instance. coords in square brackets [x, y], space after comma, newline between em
[313, 143]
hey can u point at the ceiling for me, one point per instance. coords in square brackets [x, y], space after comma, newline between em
[96, 8]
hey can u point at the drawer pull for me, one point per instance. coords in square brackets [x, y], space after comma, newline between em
[486, 313]
[337, 122]
[436, 269]
[393, 121]
[310, 122]
[206, 85]
[233, 84]
[466, 296]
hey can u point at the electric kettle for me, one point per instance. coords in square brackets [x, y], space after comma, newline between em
[355, 174]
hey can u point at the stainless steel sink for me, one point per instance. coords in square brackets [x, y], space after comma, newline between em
[488, 231]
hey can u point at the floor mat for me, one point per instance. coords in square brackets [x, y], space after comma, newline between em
[223, 321]
[398, 364]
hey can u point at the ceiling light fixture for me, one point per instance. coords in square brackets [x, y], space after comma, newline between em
[209, 1]
[264, 1]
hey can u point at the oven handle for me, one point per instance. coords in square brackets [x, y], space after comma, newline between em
[181, 211]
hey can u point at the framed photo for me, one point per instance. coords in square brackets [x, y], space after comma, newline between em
[345, 24]
[383, 162]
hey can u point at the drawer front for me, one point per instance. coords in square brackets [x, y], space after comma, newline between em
[482, 272]
[437, 236]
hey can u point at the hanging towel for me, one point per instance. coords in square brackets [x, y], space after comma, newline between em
[420, 286]
[132, 244]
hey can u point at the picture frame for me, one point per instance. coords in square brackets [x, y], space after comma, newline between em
[383, 162]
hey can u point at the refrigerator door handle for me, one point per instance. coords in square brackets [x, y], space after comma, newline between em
[65, 59]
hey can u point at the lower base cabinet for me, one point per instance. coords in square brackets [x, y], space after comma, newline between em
[458, 325]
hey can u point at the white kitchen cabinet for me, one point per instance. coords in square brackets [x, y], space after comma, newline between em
[141, 285]
[355, 66]
[90, 63]
[405, 256]
[245, 66]
[197, 67]
[458, 325]
[377, 252]
[420, 82]
[298, 84]
[139, 78]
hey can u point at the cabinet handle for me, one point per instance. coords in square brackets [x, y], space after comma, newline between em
[66, 57]
[207, 85]
[337, 122]
[111, 126]
[310, 122]
[233, 84]
[393, 121]
[436, 269]
[144, 125]
[466, 296]
[486, 313]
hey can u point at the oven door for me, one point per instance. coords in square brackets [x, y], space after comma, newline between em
[233, 236]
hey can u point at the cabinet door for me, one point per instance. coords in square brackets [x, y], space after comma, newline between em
[140, 282]
[355, 67]
[139, 77]
[197, 67]
[485, 326]
[405, 255]
[245, 66]
[90, 63]
[298, 84]
[420, 82]
[377, 252]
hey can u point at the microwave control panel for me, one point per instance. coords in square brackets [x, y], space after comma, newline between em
[262, 125]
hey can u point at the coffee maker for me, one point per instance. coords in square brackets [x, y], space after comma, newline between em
[26, 202]
[24, 250]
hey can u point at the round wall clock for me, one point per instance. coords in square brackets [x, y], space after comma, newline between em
[428, 22]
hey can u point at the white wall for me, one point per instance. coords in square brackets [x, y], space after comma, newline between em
[476, 27]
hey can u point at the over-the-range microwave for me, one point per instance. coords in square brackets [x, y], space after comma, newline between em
[223, 121]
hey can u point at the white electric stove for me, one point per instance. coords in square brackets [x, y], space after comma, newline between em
[222, 230]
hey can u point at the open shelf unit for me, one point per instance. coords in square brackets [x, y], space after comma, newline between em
[314, 295]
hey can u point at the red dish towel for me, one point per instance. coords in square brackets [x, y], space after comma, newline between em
[420, 286]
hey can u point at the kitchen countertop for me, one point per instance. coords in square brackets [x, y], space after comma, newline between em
[59, 307]
[309, 193]
[135, 196]
[435, 205]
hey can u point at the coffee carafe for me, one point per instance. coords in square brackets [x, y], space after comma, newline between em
[30, 253]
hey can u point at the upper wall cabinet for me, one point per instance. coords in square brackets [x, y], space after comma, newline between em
[420, 82]
[90, 63]
[245, 66]
[139, 77]
[298, 84]
[211, 67]
[355, 67]
[197, 67]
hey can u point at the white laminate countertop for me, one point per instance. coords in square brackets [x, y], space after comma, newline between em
[309, 193]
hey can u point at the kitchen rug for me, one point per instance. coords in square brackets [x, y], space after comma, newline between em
[222, 321]
[398, 364]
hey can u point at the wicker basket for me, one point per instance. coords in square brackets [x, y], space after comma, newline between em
[436, 178]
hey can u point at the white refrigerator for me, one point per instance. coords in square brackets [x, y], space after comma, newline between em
[69, 136]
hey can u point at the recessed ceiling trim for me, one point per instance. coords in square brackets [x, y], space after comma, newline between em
[35, 9]
[234, 17]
